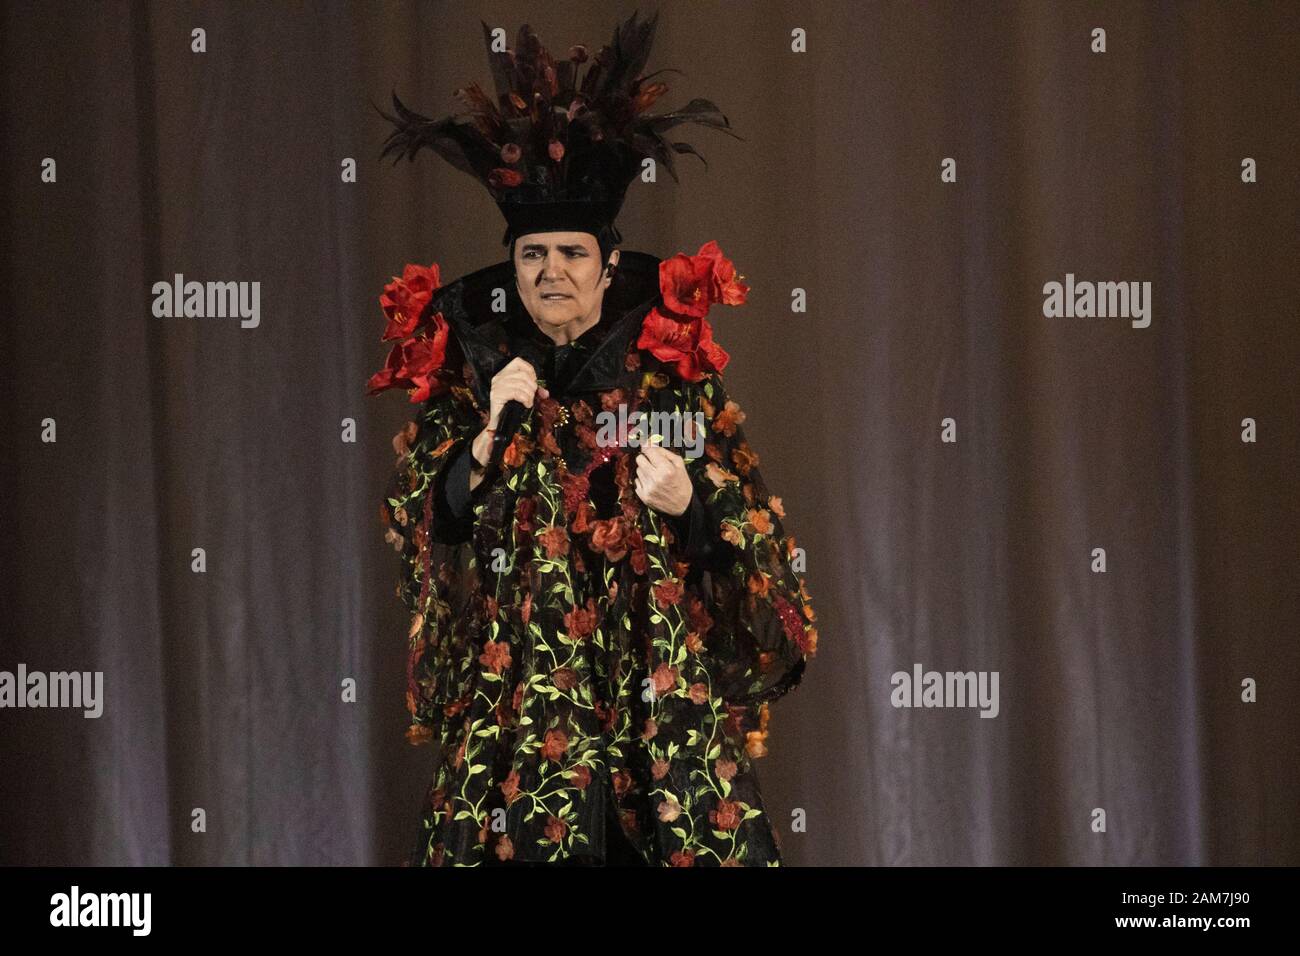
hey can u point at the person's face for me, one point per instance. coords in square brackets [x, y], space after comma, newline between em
[561, 277]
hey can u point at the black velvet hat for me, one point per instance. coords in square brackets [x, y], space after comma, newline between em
[563, 139]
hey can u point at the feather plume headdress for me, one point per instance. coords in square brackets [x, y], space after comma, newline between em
[563, 139]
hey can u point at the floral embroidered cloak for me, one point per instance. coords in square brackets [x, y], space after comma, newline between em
[564, 648]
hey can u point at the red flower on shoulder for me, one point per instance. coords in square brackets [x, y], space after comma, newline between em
[685, 282]
[688, 345]
[404, 299]
[724, 282]
[691, 284]
[678, 332]
[417, 364]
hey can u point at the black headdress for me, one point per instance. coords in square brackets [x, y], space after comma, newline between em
[559, 146]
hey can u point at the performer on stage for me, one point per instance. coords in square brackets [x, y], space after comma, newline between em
[600, 616]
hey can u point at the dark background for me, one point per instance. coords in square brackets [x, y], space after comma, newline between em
[1118, 690]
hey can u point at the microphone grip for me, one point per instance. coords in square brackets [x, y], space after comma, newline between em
[509, 422]
[513, 412]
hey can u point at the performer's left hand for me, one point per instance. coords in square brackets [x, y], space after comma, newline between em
[662, 481]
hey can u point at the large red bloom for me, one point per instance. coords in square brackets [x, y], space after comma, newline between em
[678, 332]
[404, 299]
[724, 284]
[688, 344]
[416, 363]
[691, 284]
[686, 284]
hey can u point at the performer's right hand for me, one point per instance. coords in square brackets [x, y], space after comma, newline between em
[517, 381]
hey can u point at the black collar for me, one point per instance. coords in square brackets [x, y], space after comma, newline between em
[487, 338]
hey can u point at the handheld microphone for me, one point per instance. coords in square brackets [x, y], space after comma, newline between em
[514, 412]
